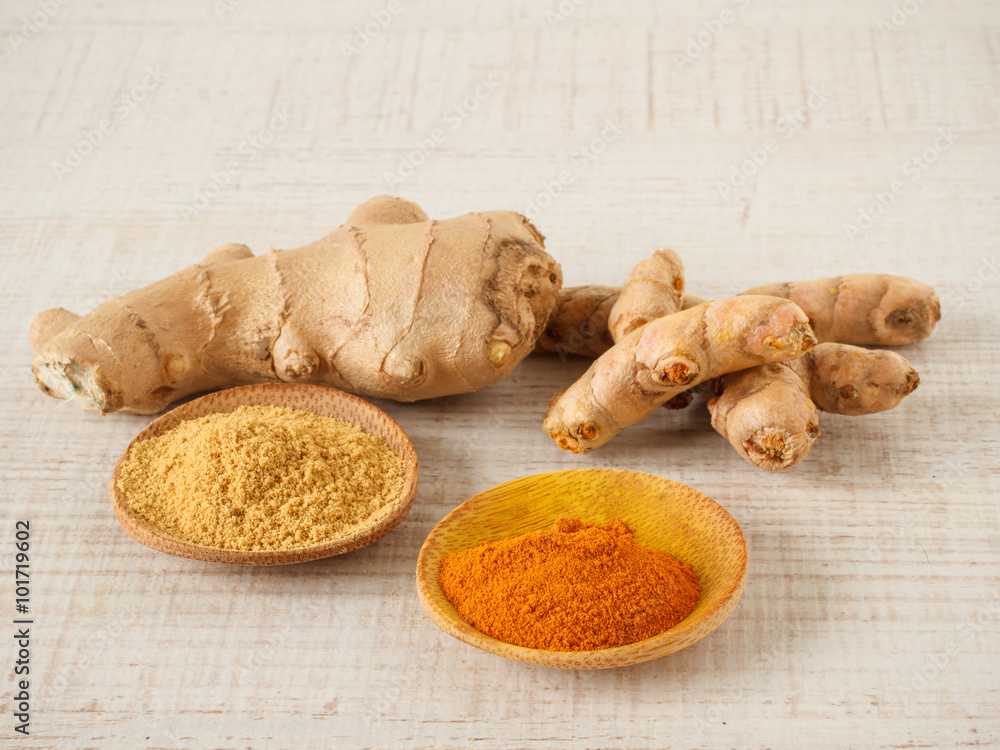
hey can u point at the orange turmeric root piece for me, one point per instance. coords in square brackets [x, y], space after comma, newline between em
[864, 308]
[769, 413]
[861, 309]
[654, 288]
[670, 355]
[579, 323]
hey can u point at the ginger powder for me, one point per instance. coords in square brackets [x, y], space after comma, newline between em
[262, 478]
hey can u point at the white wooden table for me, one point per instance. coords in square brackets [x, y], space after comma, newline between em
[870, 618]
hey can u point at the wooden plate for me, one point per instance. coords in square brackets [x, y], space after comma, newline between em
[664, 514]
[326, 402]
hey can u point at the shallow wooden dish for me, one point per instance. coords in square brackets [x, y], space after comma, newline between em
[327, 402]
[664, 514]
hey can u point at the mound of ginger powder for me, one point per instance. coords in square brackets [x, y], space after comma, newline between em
[574, 587]
[261, 478]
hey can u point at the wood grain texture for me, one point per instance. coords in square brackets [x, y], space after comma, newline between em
[870, 616]
[662, 514]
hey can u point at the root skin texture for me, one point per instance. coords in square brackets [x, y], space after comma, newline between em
[655, 288]
[654, 363]
[850, 380]
[766, 414]
[48, 324]
[864, 308]
[386, 209]
[861, 309]
[769, 413]
[579, 323]
[399, 307]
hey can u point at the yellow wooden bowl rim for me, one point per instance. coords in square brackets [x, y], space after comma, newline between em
[724, 543]
[320, 400]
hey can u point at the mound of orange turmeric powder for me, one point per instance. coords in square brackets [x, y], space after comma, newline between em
[574, 587]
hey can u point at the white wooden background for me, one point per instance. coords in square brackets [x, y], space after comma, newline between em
[871, 614]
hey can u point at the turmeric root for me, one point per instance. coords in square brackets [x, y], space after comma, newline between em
[860, 309]
[769, 413]
[579, 323]
[766, 414]
[670, 355]
[854, 381]
[654, 288]
[864, 308]
[389, 304]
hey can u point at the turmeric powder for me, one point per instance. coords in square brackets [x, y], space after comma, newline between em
[574, 587]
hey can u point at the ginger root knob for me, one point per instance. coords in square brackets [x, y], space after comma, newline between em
[500, 352]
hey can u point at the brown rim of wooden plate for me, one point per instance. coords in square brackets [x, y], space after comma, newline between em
[314, 398]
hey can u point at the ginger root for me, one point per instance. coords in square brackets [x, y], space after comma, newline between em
[769, 413]
[387, 209]
[669, 355]
[390, 304]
